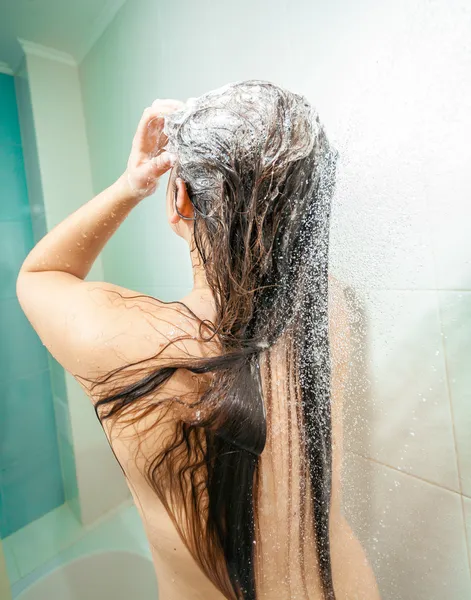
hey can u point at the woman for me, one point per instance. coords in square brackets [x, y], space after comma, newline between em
[218, 407]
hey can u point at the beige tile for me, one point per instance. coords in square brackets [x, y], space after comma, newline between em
[412, 531]
[380, 234]
[452, 244]
[380, 238]
[446, 152]
[397, 409]
[449, 210]
[455, 311]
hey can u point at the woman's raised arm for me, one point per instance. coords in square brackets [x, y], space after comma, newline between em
[66, 311]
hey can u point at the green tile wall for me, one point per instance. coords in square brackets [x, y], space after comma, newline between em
[30, 469]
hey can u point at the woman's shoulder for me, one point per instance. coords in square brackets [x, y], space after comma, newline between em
[138, 329]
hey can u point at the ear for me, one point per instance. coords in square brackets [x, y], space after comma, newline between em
[183, 203]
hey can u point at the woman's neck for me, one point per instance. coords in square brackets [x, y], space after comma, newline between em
[200, 281]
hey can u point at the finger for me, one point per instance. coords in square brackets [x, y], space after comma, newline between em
[162, 163]
[159, 109]
[155, 132]
[149, 137]
[155, 118]
[180, 185]
[142, 127]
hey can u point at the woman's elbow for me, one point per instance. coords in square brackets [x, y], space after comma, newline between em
[23, 287]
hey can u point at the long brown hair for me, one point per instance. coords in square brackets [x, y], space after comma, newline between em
[260, 174]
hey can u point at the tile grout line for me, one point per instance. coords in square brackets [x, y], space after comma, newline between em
[447, 377]
[458, 467]
[467, 534]
[448, 389]
[374, 460]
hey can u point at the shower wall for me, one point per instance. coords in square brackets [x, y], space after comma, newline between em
[60, 181]
[4, 582]
[29, 458]
[391, 83]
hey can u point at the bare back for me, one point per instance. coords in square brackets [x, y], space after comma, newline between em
[281, 572]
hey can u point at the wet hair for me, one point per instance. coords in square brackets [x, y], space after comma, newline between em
[260, 174]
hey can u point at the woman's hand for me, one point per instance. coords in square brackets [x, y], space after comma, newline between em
[148, 159]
